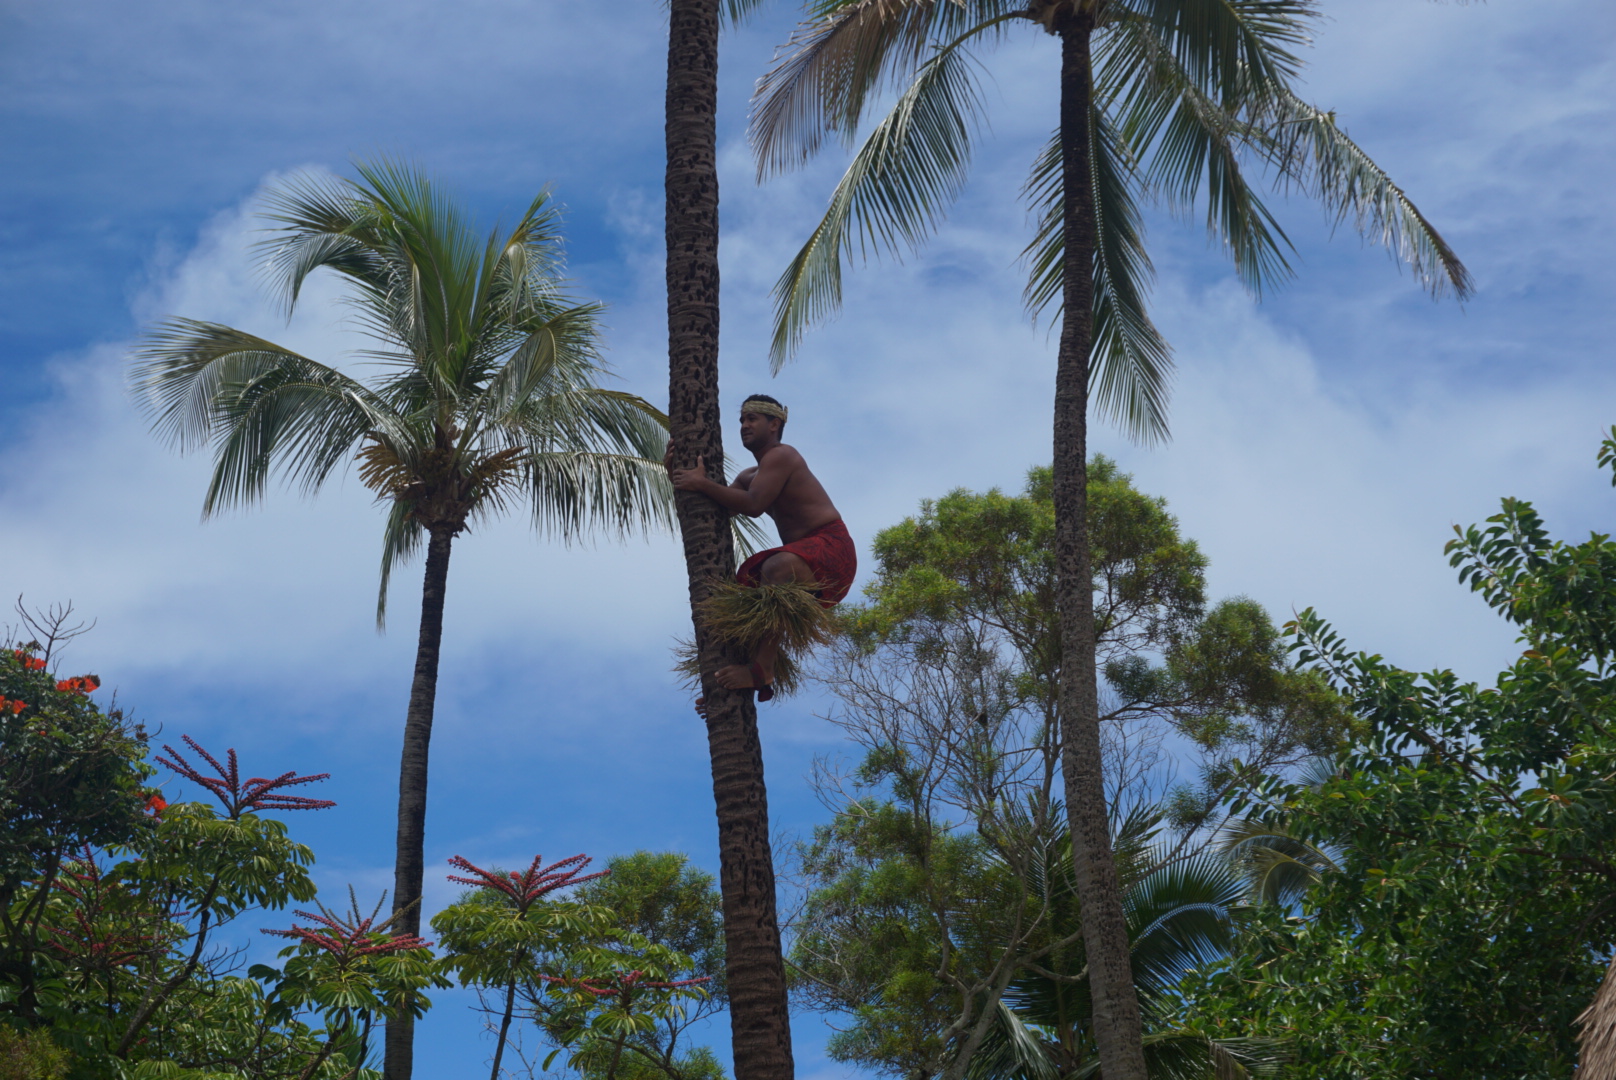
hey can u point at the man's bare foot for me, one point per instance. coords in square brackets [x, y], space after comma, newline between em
[739, 677]
[743, 677]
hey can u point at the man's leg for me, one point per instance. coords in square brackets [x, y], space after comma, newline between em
[778, 569]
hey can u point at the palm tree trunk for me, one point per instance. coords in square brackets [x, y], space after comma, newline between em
[1117, 1028]
[760, 1029]
[408, 862]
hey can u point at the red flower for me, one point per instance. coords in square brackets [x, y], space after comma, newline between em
[536, 881]
[255, 793]
[350, 938]
[156, 804]
[623, 984]
[83, 684]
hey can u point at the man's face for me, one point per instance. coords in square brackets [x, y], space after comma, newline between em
[755, 428]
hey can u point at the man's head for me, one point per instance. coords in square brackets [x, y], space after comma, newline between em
[763, 419]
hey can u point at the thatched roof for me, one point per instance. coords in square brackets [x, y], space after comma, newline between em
[1598, 1037]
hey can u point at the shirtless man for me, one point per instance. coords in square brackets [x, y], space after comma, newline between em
[815, 546]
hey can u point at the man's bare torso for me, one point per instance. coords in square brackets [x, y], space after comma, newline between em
[802, 505]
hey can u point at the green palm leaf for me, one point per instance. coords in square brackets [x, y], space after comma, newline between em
[890, 198]
[1132, 362]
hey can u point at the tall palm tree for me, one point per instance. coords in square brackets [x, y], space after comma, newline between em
[1166, 99]
[487, 396]
[760, 1030]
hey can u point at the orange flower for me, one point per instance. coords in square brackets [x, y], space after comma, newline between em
[17, 707]
[156, 804]
[33, 663]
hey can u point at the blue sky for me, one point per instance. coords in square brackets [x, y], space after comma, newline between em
[1325, 440]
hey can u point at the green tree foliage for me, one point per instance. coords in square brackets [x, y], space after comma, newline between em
[613, 976]
[31, 1055]
[1469, 919]
[969, 583]
[940, 889]
[71, 776]
[110, 960]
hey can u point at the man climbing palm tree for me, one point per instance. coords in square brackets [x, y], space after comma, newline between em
[816, 550]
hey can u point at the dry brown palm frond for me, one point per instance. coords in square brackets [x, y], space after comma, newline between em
[748, 614]
[1597, 1060]
[491, 476]
[381, 470]
[743, 616]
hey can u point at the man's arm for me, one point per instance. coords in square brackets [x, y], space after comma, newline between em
[754, 499]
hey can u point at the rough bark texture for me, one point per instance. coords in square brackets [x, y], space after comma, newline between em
[759, 1023]
[1117, 1028]
[1598, 1038]
[408, 864]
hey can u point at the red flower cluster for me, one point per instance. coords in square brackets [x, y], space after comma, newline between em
[32, 663]
[86, 942]
[624, 983]
[15, 706]
[156, 804]
[236, 795]
[349, 939]
[528, 886]
[84, 684]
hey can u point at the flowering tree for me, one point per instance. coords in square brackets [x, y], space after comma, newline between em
[608, 995]
[71, 778]
[497, 939]
[601, 1017]
[111, 897]
[351, 970]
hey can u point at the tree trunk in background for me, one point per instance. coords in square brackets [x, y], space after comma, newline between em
[1117, 1029]
[759, 1023]
[409, 862]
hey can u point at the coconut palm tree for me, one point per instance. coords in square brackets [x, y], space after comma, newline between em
[487, 395]
[1177, 913]
[1171, 100]
[760, 1030]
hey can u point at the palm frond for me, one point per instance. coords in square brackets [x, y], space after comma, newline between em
[832, 66]
[401, 539]
[259, 405]
[573, 492]
[1131, 372]
[1313, 151]
[1191, 144]
[1278, 865]
[324, 224]
[1240, 51]
[1011, 1051]
[891, 197]
[736, 12]
[1178, 920]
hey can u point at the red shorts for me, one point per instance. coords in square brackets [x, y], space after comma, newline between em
[829, 553]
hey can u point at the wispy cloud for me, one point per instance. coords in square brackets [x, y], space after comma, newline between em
[1325, 441]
